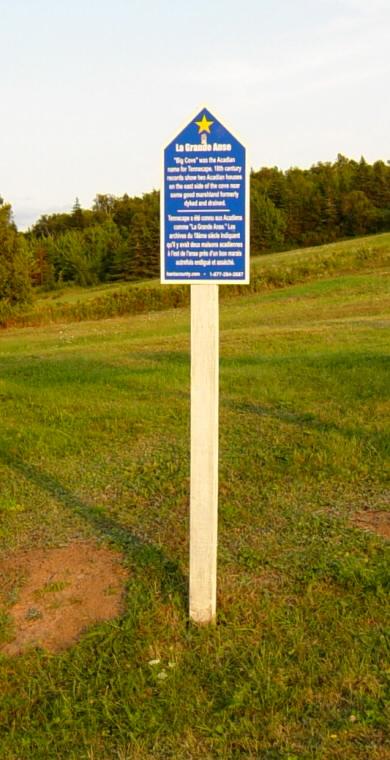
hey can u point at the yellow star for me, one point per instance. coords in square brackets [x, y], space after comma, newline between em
[204, 125]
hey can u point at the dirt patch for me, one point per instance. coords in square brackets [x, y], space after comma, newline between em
[59, 593]
[376, 522]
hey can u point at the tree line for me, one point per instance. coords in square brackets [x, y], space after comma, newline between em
[329, 201]
[118, 238]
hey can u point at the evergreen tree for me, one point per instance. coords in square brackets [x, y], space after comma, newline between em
[144, 237]
[77, 216]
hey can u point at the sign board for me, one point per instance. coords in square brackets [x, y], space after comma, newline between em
[204, 208]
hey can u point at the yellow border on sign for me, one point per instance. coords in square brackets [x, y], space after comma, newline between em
[171, 281]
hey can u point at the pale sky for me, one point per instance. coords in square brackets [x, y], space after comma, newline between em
[92, 90]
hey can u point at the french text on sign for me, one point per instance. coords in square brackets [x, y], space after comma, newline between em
[204, 209]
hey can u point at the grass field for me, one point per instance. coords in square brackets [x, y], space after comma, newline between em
[94, 441]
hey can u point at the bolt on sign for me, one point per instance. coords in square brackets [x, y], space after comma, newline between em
[205, 243]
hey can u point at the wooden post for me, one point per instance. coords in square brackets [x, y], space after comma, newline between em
[204, 452]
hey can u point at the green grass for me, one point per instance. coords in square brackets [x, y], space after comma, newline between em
[95, 442]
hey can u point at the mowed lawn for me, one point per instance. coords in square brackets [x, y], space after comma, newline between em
[94, 441]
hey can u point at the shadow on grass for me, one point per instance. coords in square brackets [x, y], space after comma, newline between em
[340, 361]
[143, 554]
[375, 442]
[40, 372]
[303, 419]
[180, 358]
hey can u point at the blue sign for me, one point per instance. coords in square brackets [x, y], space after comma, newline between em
[204, 208]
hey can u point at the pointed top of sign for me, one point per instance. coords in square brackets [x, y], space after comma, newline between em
[204, 122]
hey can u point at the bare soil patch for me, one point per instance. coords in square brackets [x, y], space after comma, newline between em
[60, 593]
[375, 521]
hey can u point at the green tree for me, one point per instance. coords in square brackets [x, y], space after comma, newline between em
[267, 223]
[75, 262]
[143, 246]
[359, 214]
[15, 283]
[104, 244]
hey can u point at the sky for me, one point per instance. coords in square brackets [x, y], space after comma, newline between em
[91, 91]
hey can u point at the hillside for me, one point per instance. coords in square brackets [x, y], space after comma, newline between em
[95, 445]
[267, 272]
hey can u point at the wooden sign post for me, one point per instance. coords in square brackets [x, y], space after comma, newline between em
[204, 451]
[204, 242]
